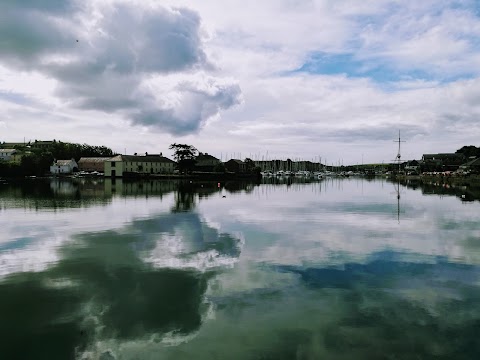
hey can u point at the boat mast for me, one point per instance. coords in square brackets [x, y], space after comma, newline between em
[398, 158]
[397, 186]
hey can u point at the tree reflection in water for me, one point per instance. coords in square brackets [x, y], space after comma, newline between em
[103, 288]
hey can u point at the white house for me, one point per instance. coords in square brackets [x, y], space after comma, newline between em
[64, 166]
[7, 154]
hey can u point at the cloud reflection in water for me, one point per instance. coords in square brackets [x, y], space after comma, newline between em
[102, 289]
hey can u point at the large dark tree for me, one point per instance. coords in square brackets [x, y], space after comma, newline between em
[62, 150]
[249, 164]
[184, 155]
[469, 151]
[251, 168]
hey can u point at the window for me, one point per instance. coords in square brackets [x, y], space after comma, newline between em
[113, 163]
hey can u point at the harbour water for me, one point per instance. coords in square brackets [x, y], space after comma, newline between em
[331, 269]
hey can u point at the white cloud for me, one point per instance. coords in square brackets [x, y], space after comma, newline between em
[101, 65]
[158, 72]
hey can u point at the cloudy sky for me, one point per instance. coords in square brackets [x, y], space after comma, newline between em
[334, 79]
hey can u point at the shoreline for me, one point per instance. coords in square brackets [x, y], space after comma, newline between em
[459, 180]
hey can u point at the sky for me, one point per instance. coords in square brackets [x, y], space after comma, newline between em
[329, 80]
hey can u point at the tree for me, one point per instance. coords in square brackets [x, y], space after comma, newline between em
[220, 167]
[469, 151]
[249, 164]
[184, 155]
[251, 168]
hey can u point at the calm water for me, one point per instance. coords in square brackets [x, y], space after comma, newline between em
[337, 269]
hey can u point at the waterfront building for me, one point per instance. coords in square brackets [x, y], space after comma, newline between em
[7, 154]
[236, 166]
[42, 145]
[442, 161]
[63, 167]
[473, 165]
[91, 164]
[206, 162]
[132, 165]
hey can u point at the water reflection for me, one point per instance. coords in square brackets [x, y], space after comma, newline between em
[145, 280]
[146, 188]
[295, 270]
[387, 307]
[465, 191]
[398, 192]
[53, 194]
[83, 192]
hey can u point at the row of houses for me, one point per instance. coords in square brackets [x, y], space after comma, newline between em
[37, 144]
[15, 151]
[445, 162]
[117, 166]
[10, 152]
[123, 165]
[148, 164]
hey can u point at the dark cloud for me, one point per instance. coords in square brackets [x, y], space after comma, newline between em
[50, 6]
[158, 41]
[25, 36]
[103, 66]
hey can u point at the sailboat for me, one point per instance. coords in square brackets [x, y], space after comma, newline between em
[399, 156]
[396, 184]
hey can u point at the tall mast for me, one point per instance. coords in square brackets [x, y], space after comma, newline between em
[397, 187]
[398, 158]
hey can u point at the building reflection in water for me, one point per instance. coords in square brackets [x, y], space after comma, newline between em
[465, 191]
[144, 280]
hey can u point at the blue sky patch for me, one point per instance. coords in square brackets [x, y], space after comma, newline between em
[14, 98]
[322, 63]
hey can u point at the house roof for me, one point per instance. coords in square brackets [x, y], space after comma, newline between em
[443, 155]
[93, 159]
[11, 151]
[44, 142]
[64, 162]
[205, 156]
[116, 158]
[475, 162]
[237, 161]
[412, 163]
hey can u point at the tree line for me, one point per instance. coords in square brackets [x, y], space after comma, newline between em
[469, 151]
[36, 162]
